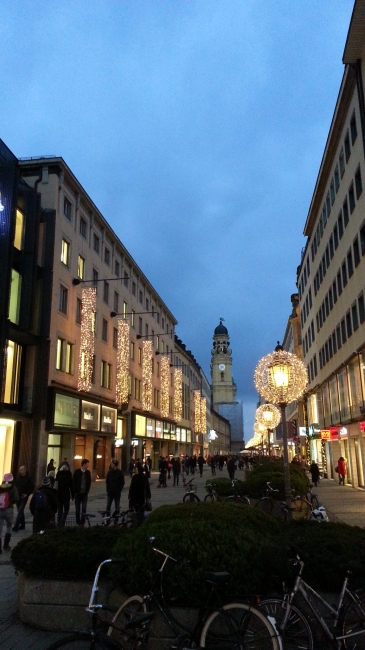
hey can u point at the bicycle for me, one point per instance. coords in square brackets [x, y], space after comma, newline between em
[126, 518]
[301, 508]
[212, 495]
[237, 498]
[220, 626]
[347, 629]
[135, 631]
[312, 498]
[190, 496]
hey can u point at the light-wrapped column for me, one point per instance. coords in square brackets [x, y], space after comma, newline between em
[177, 393]
[197, 411]
[165, 385]
[203, 414]
[122, 388]
[147, 376]
[87, 344]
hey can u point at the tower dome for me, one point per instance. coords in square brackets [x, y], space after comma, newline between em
[221, 329]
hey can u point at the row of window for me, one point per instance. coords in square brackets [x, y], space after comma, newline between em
[344, 330]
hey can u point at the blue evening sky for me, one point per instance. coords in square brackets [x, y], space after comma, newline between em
[197, 127]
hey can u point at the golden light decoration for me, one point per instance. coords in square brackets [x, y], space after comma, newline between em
[259, 429]
[87, 345]
[147, 376]
[165, 386]
[197, 411]
[281, 377]
[122, 388]
[268, 415]
[177, 393]
[203, 414]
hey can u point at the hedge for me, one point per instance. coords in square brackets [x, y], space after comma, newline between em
[242, 540]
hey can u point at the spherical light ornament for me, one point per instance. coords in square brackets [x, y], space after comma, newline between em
[281, 377]
[268, 415]
[259, 429]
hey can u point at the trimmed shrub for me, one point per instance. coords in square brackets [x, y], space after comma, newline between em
[273, 471]
[223, 487]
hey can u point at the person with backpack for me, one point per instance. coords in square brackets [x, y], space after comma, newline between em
[25, 487]
[43, 506]
[8, 497]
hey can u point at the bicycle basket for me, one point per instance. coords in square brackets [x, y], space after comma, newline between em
[191, 488]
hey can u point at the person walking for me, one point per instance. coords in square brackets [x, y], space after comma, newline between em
[231, 466]
[341, 470]
[25, 487]
[201, 463]
[131, 467]
[51, 466]
[65, 492]
[213, 465]
[139, 492]
[81, 485]
[314, 472]
[114, 486]
[8, 498]
[43, 506]
[176, 469]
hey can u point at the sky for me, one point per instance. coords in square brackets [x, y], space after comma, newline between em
[197, 127]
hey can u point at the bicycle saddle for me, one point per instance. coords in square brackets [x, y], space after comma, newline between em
[216, 577]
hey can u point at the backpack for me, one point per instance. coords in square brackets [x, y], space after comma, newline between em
[4, 500]
[41, 501]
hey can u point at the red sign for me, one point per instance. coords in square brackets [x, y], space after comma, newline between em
[362, 427]
[325, 434]
[334, 433]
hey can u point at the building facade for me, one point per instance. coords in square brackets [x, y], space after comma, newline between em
[331, 278]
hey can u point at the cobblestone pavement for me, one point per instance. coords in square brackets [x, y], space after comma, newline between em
[342, 503]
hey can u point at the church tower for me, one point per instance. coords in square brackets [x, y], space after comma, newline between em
[223, 386]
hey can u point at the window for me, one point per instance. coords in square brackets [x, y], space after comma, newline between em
[63, 299]
[344, 274]
[343, 331]
[355, 317]
[338, 337]
[337, 179]
[65, 356]
[116, 302]
[133, 318]
[328, 204]
[356, 248]
[331, 246]
[15, 294]
[67, 208]
[342, 163]
[12, 377]
[78, 310]
[115, 337]
[80, 267]
[339, 283]
[156, 398]
[332, 191]
[141, 297]
[117, 268]
[140, 356]
[19, 230]
[83, 228]
[140, 325]
[353, 129]
[362, 238]
[335, 236]
[96, 243]
[330, 299]
[348, 325]
[340, 225]
[137, 389]
[352, 198]
[345, 209]
[126, 280]
[361, 306]
[131, 350]
[146, 330]
[65, 252]
[347, 147]
[134, 288]
[334, 291]
[334, 343]
[327, 253]
[105, 374]
[95, 278]
[106, 292]
[107, 256]
[358, 183]
[350, 265]
[104, 330]
[125, 309]
[147, 304]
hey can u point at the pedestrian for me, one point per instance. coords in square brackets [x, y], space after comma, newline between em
[43, 506]
[149, 463]
[81, 485]
[192, 464]
[114, 486]
[139, 492]
[131, 467]
[341, 465]
[221, 463]
[187, 465]
[51, 466]
[314, 472]
[25, 487]
[176, 469]
[8, 498]
[65, 492]
[52, 476]
[146, 469]
[201, 463]
[231, 466]
[65, 462]
[213, 465]
[169, 467]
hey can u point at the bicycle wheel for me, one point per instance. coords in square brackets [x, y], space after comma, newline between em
[210, 497]
[314, 502]
[354, 621]
[236, 498]
[133, 605]
[301, 508]
[238, 626]
[298, 634]
[77, 642]
[191, 497]
[266, 505]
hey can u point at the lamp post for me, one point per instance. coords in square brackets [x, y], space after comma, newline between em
[268, 416]
[281, 377]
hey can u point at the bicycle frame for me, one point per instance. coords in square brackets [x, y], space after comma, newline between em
[305, 590]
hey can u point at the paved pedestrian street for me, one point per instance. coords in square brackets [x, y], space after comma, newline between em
[343, 504]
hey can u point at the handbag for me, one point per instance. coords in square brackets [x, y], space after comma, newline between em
[148, 507]
[336, 469]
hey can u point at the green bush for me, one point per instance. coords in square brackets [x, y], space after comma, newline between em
[273, 471]
[223, 487]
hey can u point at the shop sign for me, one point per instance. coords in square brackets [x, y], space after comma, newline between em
[343, 431]
[362, 427]
[334, 433]
[119, 442]
[90, 414]
[108, 419]
[302, 431]
[325, 434]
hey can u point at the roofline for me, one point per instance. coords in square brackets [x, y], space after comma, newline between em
[354, 46]
[33, 163]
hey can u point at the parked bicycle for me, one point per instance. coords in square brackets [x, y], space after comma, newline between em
[312, 498]
[212, 495]
[220, 626]
[190, 489]
[300, 507]
[345, 627]
[136, 627]
[237, 498]
[125, 519]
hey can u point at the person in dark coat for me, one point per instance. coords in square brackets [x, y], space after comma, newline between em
[231, 466]
[201, 463]
[114, 486]
[176, 469]
[314, 472]
[81, 485]
[139, 492]
[25, 487]
[65, 492]
[42, 519]
[51, 466]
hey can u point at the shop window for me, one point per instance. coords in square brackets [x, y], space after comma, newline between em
[12, 374]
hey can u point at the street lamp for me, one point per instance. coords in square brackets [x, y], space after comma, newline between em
[268, 416]
[281, 377]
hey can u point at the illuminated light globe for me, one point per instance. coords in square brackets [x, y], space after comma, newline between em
[259, 429]
[281, 377]
[268, 415]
